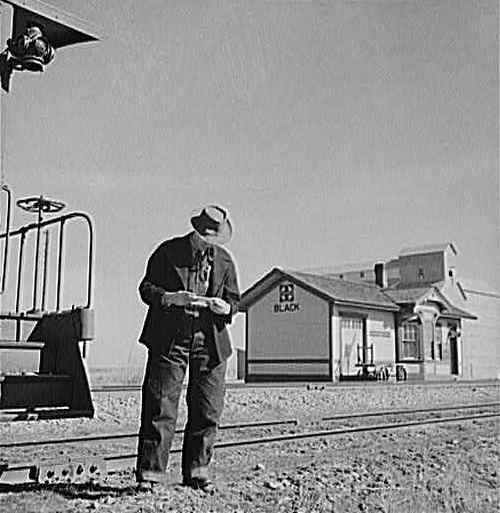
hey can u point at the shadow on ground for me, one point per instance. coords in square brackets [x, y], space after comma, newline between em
[86, 491]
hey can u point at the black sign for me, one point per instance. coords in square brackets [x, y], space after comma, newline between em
[287, 293]
[286, 299]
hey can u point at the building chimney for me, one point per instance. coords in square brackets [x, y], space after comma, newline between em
[380, 275]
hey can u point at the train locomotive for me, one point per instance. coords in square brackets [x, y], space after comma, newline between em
[42, 345]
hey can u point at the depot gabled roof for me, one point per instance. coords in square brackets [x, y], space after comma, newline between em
[331, 289]
[432, 292]
[349, 293]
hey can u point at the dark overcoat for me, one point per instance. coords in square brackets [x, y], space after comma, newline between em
[167, 270]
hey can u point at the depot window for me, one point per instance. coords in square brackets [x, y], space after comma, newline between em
[349, 323]
[409, 333]
[438, 339]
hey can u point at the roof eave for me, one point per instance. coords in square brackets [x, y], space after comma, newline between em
[373, 306]
[250, 296]
[459, 315]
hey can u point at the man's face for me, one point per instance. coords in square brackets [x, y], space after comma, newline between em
[199, 241]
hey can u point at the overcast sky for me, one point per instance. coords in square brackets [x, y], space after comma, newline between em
[333, 131]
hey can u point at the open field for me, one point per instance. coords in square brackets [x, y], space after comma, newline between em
[123, 375]
[446, 468]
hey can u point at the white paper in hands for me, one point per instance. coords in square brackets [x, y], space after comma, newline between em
[219, 306]
[199, 302]
[216, 304]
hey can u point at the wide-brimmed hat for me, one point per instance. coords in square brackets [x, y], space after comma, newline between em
[213, 225]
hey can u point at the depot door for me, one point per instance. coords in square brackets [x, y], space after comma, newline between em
[453, 355]
[352, 344]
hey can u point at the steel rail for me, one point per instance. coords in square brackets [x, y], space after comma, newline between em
[270, 423]
[328, 432]
[314, 386]
[28, 470]
[407, 411]
[120, 436]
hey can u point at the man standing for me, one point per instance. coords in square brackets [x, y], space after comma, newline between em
[191, 288]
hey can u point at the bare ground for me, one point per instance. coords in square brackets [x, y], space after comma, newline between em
[447, 468]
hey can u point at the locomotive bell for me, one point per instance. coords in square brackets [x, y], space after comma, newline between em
[30, 50]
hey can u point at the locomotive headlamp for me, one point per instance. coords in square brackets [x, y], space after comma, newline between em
[38, 29]
[31, 50]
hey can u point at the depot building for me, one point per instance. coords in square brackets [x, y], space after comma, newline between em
[410, 313]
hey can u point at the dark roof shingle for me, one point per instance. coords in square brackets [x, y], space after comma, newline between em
[333, 289]
[406, 295]
[343, 290]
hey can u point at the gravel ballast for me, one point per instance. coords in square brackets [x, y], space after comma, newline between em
[449, 468]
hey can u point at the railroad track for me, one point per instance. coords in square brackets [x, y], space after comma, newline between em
[91, 468]
[313, 386]
[260, 424]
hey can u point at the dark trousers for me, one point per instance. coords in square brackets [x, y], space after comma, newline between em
[160, 399]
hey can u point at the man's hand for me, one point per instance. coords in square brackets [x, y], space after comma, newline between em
[181, 298]
[219, 306]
